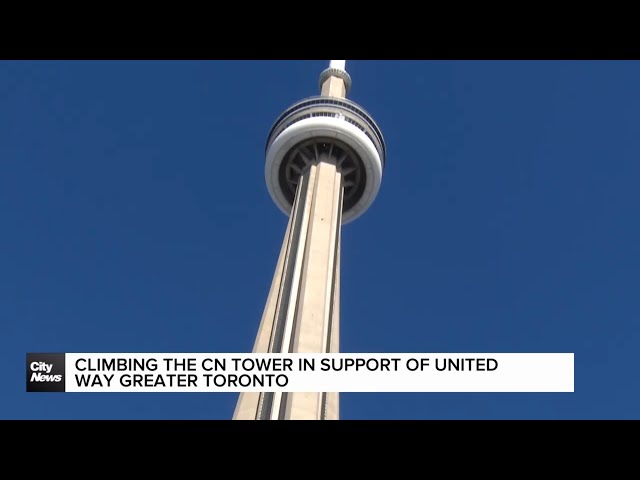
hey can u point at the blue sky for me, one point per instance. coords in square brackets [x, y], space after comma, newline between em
[134, 217]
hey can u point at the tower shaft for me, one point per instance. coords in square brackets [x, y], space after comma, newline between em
[302, 310]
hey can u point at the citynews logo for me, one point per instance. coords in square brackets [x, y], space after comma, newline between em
[45, 372]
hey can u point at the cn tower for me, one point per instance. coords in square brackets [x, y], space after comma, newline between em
[324, 161]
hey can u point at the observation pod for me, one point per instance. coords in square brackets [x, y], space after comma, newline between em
[332, 129]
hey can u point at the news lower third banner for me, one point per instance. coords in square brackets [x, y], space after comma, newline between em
[297, 372]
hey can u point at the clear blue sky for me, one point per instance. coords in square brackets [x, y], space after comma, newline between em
[134, 217]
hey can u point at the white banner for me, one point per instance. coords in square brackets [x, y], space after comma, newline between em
[339, 372]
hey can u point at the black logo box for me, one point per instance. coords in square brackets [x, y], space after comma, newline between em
[45, 372]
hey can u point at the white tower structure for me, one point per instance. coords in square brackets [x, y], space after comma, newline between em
[324, 161]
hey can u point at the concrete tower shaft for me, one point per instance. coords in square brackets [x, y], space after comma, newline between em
[302, 310]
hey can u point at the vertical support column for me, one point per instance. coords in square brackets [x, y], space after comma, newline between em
[247, 405]
[302, 311]
[318, 314]
[331, 400]
[334, 87]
